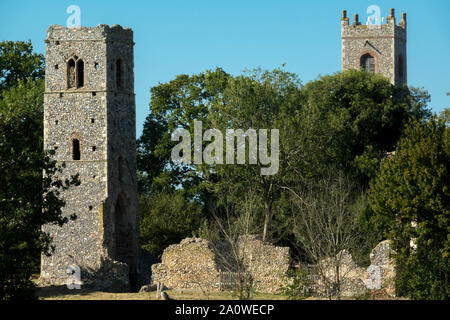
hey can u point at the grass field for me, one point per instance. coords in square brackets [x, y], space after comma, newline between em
[63, 293]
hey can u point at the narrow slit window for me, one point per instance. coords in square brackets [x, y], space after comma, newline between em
[76, 149]
[80, 73]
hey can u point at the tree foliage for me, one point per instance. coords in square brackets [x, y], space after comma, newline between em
[27, 199]
[260, 100]
[410, 202]
[166, 218]
[360, 116]
[325, 218]
[347, 121]
[18, 61]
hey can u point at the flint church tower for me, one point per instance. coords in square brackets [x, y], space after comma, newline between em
[90, 122]
[375, 48]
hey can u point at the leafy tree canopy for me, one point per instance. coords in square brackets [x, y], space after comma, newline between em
[347, 121]
[27, 199]
[410, 200]
[18, 61]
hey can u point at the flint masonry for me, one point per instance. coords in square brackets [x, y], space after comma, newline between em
[375, 48]
[90, 122]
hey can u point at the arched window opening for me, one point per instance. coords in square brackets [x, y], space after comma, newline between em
[119, 74]
[367, 63]
[71, 73]
[75, 73]
[76, 154]
[80, 73]
[400, 66]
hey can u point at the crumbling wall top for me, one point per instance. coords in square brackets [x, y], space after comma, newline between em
[100, 32]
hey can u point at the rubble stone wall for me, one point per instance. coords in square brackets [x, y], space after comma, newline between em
[197, 264]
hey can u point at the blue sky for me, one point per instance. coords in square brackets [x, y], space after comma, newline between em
[176, 37]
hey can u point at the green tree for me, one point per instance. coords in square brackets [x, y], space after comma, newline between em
[410, 202]
[260, 100]
[347, 121]
[176, 104]
[27, 199]
[166, 218]
[17, 61]
[358, 117]
[325, 216]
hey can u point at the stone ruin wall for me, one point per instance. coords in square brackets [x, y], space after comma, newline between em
[378, 278]
[267, 264]
[197, 264]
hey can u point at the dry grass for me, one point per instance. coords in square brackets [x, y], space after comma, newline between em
[63, 293]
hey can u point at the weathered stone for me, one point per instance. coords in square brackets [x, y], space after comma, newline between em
[89, 119]
[196, 263]
[381, 272]
[189, 264]
[351, 276]
[385, 43]
[267, 264]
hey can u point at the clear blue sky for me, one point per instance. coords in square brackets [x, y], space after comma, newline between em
[190, 36]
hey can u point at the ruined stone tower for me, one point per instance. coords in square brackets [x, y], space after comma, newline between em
[90, 120]
[375, 48]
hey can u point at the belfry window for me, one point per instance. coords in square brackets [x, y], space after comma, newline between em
[75, 73]
[367, 63]
[76, 154]
[71, 73]
[80, 73]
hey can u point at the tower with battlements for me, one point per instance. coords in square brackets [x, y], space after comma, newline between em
[90, 122]
[375, 48]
